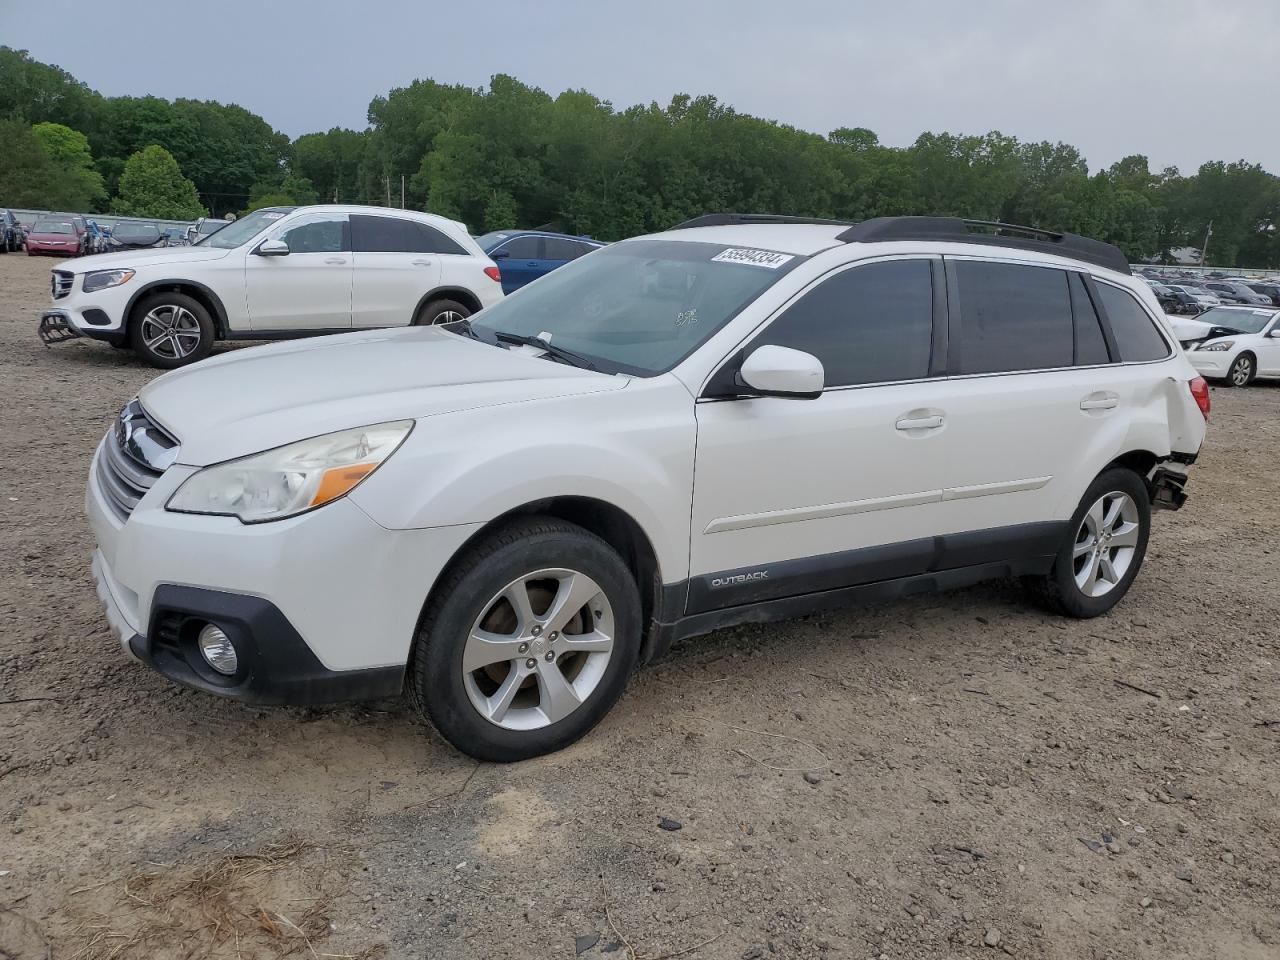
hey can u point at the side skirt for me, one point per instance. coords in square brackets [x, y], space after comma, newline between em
[810, 585]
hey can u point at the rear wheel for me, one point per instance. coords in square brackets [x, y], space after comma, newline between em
[1103, 551]
[528, 642]
[440, 311]
[170, 330]
[1242, 371]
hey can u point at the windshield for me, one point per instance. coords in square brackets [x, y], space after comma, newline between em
[210, 226]
[1241, 321]
[490, 240]
[241, 231]
[53, 226]
[640, 306]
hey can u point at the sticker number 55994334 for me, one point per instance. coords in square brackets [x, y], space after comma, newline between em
[755, 258]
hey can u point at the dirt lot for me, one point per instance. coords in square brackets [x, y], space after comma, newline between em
[987, 778]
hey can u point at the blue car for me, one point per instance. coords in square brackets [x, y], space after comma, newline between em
[526, 255]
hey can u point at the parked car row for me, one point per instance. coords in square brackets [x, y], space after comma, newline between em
[1185, 293]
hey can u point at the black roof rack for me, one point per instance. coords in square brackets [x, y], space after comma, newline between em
[732, 219]
[952, 229]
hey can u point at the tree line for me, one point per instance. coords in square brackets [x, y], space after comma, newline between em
[511, 155]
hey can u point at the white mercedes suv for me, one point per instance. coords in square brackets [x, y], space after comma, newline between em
[740, 419]
[278, 273]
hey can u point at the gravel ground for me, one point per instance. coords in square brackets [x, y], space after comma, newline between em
[957, 775]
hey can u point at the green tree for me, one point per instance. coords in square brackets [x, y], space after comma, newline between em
[80, 187]
[28, 176]
[152, 185]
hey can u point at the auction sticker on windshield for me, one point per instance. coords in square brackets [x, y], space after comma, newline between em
[756, 258]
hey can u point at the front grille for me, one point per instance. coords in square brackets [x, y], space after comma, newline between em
[62, 282]
[132, 458]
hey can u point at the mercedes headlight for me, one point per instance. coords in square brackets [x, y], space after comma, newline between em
[291, 479]
[1218, 346]
[101, 279]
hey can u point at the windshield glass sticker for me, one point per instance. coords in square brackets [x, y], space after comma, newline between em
[272, 216]
[756, 258]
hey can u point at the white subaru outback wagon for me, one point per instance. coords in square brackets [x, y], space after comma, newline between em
[278, 273]
[740, 419]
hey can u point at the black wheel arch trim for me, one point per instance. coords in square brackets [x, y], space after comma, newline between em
[460, 294]
[221, 326]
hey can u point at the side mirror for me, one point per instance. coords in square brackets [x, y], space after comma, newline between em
[773, 371]
[1275, 333]
[272, 248]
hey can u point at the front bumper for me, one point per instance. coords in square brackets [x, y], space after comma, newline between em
[275, 665]
[326, 603]
[1211, 363]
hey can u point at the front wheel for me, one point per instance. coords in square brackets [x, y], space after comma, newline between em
[1103, 550]
[528, 642]
[1241, 372]
[170, 330]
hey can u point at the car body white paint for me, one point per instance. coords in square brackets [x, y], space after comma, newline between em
[496, 429]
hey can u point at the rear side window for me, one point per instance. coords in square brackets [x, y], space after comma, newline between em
[557, 249]
[1013, 317]
[431, 240]
[869, 324]
[373, 234]
[1135, 332]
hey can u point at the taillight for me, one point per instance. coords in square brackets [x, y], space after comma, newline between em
[1200, 391]
[493, 273]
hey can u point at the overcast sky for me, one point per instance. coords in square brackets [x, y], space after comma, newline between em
[1182, 81]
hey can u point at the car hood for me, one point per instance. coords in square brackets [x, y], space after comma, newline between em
[141, 257]
[254, 399]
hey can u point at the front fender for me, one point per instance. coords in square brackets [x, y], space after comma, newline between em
[631, 448]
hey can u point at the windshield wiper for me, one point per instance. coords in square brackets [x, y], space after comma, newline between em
[464, 327]
[560, 353]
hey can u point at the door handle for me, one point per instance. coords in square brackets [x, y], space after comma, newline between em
[335, 260]
[919, 423]
[1099, 403]
[422, 263]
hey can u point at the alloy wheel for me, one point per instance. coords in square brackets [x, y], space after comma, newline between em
[171, 331]
[538, 649]
[1241, 372]
[448, 316]
[1106, 543]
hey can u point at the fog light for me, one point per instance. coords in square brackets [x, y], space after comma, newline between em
[217, 650]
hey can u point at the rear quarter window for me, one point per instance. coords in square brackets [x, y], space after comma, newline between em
[1135, 332]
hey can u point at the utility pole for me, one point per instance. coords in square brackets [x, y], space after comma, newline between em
[1204, 251]
[402, 191]
[388, 179]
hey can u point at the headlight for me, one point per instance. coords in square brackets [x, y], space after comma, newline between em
[101, 279]
[291, 479]
[1218, 346]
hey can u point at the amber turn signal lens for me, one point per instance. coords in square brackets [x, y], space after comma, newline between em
[339, 480]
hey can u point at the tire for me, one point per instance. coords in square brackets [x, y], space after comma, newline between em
[453, 677]
[1061, 590]
[194, 336]
[440, 311]
[1242, 371]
